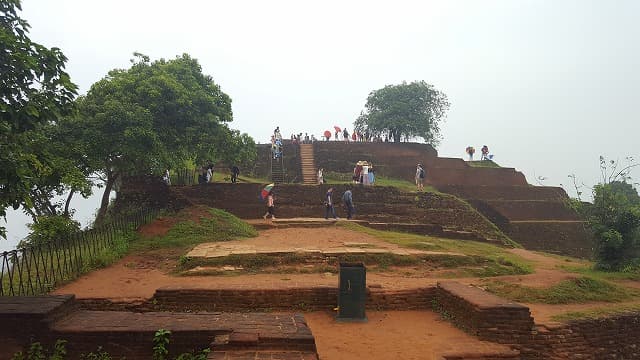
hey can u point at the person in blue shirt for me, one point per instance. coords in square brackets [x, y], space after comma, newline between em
[347, 198]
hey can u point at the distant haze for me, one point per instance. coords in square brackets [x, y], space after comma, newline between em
[547, 85]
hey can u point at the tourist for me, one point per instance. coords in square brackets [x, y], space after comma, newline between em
[372, 176]
[328, 204]
[485, 152]
[470, 151]
[270, 206]
[313, 138]
[354, 136]
[166, 178]
[347, 198]
[345, 135]
[365, 174]
[235, 171]
[320, 176]
[209, 174]
[420, 175]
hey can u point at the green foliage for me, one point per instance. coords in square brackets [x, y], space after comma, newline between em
[614, 218]
[156, 115]
[48, 228]
[99, 354]
[219, 225]
[580, 290]
[160, 351]
[405, 110]
[34, 91]
[160, 344]
[37, 352]
[483, 163]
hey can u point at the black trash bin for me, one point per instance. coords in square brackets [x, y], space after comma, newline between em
[352, 292]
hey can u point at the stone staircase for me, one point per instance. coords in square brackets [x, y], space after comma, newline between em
[308, 165]
[277, 171]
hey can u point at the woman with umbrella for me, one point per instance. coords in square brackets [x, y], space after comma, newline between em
[338, 131]
[267, 193]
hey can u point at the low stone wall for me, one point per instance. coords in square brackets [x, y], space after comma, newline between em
[493, 192]
[485, 315]
[374, 204]
[312, 298]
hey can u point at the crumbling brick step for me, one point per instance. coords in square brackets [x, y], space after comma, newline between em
[130, 334]
[262, 355]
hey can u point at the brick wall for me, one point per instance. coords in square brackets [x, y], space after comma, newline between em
[315, 298]
[375, 204]
[487, 316]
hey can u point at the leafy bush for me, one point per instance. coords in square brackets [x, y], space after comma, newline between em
[50, 227]
[614, 218]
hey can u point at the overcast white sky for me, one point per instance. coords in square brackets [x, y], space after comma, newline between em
[547, 85]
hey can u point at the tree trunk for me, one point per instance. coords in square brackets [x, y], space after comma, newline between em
[66, 204]
[104, 204]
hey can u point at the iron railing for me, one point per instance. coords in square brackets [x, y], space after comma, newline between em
[37, 269]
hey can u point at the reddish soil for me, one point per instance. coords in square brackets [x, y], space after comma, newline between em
[415, 335]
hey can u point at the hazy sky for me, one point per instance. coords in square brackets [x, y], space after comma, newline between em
[547, 85]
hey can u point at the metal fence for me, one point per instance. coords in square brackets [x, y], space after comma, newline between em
[37, 269]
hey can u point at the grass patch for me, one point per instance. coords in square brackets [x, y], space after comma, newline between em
[588, 270]
[483, 164]
[215, 225]
[596, 313]
[484, 251]
[574, 291]
[331, 177]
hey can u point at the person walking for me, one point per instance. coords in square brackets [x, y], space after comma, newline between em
[328, 204]
[420, 175]
[347, 198]
[320, 176]
[270, 206]
[235, 171]
[470, 151]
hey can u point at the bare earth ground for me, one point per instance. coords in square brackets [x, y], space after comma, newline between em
[414, 334]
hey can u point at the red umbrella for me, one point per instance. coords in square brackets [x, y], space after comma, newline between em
[337, 128]
[327, 134]
[265, 192]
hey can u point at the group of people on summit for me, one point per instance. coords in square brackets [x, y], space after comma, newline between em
[470, 150]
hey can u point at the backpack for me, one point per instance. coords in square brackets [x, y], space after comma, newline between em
[421, 173]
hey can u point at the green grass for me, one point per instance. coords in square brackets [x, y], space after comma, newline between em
[494, 257]
[598, 312]
[331, 177]
[483, 163]
[219, 226]
[588, 270]
[574, 291]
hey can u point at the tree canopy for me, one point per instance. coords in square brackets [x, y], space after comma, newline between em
[35, 92]
[614, 217]
[152, 116]
[404, 111]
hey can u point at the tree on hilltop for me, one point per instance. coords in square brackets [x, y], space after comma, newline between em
[35, 92]
[405, 110]
[155, 114]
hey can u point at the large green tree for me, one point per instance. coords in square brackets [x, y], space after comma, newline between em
[404, 111]
[614, 217]
[151, 116]
[35, 92]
